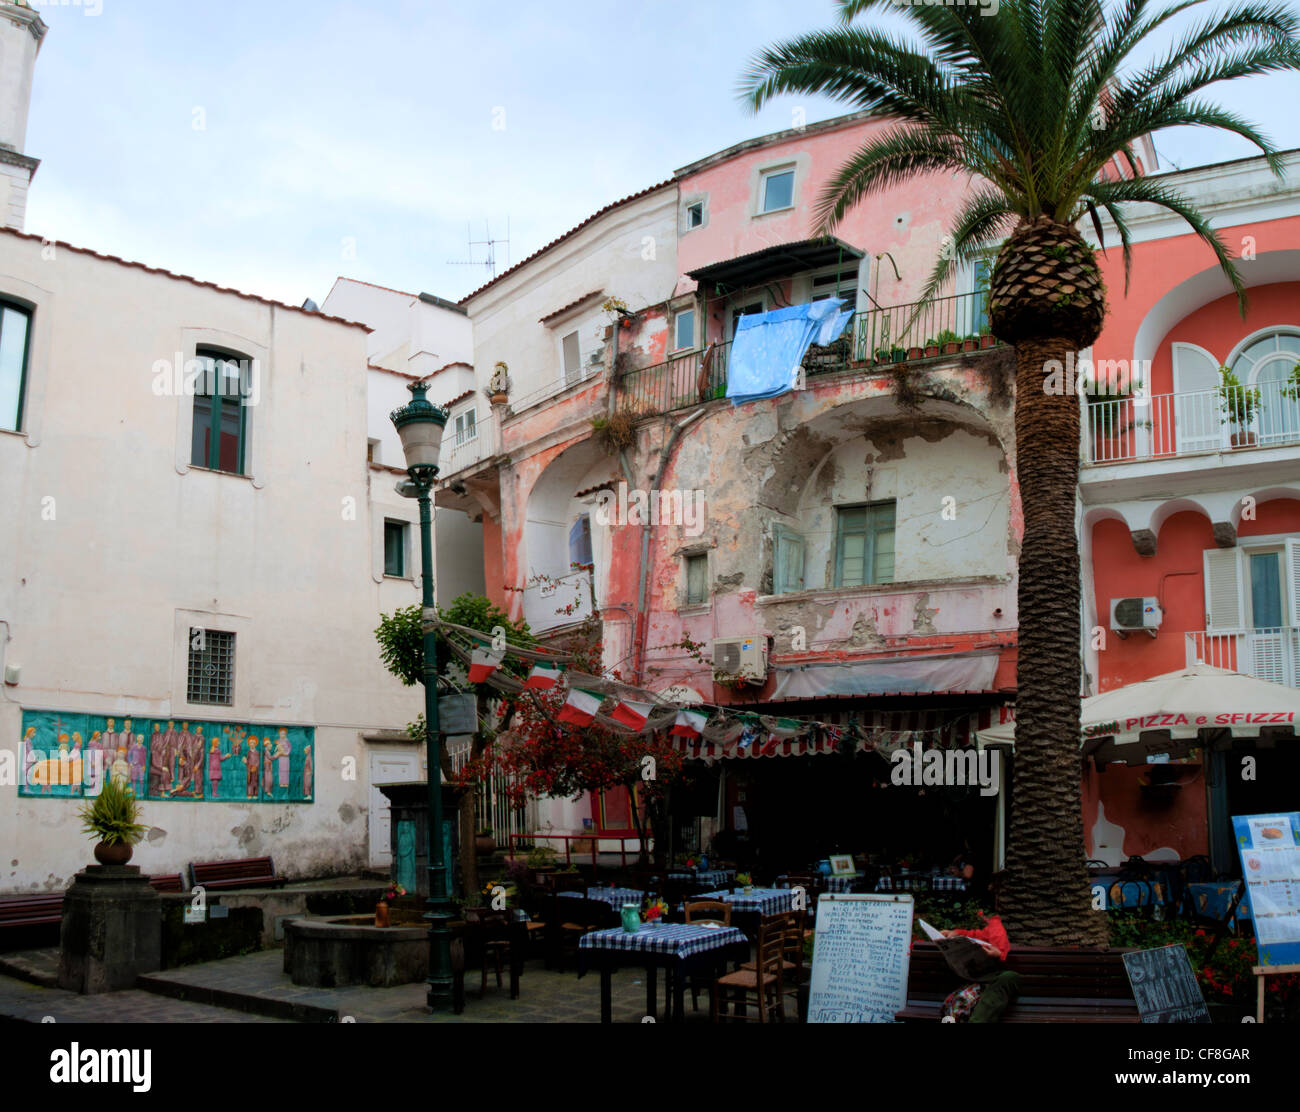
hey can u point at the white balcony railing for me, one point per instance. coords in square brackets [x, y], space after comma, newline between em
[552, 601]
[1163, 425]
[464, 448]
[1266, 654]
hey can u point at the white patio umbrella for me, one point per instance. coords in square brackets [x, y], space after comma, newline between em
[1173, 713]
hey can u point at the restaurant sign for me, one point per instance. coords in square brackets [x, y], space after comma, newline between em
[1270, 864]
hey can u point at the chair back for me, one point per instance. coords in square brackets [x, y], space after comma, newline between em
[567, 882]
[708, 911]
[771, 945]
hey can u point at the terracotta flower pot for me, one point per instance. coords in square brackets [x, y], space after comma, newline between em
[987, 341]
[381, 913]
[500, 399]
[117, 854]
[1243, 439]
[484, 843]
[951, 347]
[969, 345]
[914, 353]
[931, 350]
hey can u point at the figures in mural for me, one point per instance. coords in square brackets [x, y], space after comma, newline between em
[267, 763]
[121, 769]
[160, 765]
[214, 768]
[283, 750]
[307, 771]
[30, 755]
[138, 759]
[253, 764]
[197, 756]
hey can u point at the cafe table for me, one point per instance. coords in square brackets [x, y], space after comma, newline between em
[679, 948]
[761, 901]
[615, 897]
[921, 882]
[830, 883]
[712, 878]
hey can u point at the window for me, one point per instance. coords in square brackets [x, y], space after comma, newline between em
[220, 418]
[787, 572]
[741, 311]
[694, 215]
[580, 542]
[15, 329]
[395, 548]
[777, 191]
[372, 451]
[697, 579]
[684, 330]
[466, 426]
[1266, 365]
[572, 358]
[211, 676]
[1253, 593]
[864, 544]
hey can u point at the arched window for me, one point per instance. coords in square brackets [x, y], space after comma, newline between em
[15, 334]
[1268, 364]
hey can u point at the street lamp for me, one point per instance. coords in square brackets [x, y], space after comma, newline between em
[420, 423]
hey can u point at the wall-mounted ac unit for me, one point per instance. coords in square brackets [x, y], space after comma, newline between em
[1132, 614]
[741, 656]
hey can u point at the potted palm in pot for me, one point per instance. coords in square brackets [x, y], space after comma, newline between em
[112, 819]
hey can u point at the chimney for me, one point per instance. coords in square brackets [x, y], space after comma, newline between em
[21, 33]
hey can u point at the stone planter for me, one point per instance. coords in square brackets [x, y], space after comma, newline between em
[330, 953]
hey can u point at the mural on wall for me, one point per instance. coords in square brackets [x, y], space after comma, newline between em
[67, 754]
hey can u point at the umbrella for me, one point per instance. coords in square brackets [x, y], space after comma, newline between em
[1195, 706]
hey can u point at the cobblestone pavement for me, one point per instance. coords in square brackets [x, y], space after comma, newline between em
[258, 980]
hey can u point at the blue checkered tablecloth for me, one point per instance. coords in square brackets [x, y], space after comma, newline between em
[714, 877]
[615, 897]
[921, 884]
[679, 940]
[831, 883]
[765, 901]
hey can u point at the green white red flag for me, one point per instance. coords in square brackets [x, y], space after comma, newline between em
[580, 707]
[689, 724]
[632, 715]
[482, 664]
[543, 676]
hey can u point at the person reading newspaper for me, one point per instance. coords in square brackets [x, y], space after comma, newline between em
[977, 957]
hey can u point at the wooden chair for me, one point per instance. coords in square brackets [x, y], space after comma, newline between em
[707, 911]
[489, 932]
[761, 985]
[790, 925]
[813, 887]
[572, 918]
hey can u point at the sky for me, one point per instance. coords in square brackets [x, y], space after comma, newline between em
[272, 146]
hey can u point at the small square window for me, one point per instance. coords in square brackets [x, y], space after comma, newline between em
[778, 190]
[684, 330]
[395, 548]
[694, 215]
[697, 579]
[211, 674]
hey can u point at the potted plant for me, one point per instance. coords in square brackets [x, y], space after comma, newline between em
[914, 353]
[112, 819]
[949, 341]
[898, 355]
[484, 842]
[987, 340]
[541, 859]
[1238, 406]
[499, 384]
[971, 342]
[882, 355]
[656, 912]
[746, 881]
[931, 347]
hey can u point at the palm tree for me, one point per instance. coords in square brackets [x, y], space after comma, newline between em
[1037, 101]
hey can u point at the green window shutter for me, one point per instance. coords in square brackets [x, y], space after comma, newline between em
[864, 544]
[881, 530]
[983, 269]
[787, 574]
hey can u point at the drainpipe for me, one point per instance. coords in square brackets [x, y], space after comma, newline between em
[643, 630]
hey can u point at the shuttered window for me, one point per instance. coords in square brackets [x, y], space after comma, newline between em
[1225, 608]
[1252, 589]
[697, 579]
[864, 544]
[787, 570]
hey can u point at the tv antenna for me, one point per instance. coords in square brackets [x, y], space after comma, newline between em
[490, 243]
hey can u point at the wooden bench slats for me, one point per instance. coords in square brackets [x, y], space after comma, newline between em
[248, 872]
[167, 882]
[30, 911]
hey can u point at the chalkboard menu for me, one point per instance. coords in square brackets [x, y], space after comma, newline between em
[1165, 987]
[860, 957]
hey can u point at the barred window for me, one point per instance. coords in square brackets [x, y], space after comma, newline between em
[212, 667]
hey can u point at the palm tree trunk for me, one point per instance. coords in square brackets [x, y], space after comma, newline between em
[1047, 901]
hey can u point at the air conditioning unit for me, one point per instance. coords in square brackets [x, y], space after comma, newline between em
[1132, 614]
[745, 657]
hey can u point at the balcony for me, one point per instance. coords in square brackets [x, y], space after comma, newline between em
[464, 448]
[558, 600]
[1266, 654]
[910, 333]
[1132, 429]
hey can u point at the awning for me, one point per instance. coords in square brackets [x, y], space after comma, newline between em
[775, 262]
[965, 673]
[882, 731]
[1174, 713]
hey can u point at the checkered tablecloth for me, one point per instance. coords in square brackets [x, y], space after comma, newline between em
[831, 883]
[615, 897]
[714, 877]
[921, 884]
[765, 901]
[679, 940]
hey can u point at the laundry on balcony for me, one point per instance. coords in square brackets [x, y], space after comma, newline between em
[769, 347]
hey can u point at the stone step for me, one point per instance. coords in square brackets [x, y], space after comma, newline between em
[253, 1003]
[36, 967]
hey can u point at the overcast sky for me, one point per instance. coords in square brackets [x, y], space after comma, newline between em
[274, 145]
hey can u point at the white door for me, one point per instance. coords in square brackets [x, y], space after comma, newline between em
[395, 767]
[1198, 420]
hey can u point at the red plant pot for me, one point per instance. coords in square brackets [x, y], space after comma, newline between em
[987, 341]
[951, 348]
[914, 353]
[969, 345]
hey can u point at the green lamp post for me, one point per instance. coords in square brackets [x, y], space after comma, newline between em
[420, 423]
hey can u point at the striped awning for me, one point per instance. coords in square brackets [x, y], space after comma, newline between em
[882, 731]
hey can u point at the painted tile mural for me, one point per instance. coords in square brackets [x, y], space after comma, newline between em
[66, 754]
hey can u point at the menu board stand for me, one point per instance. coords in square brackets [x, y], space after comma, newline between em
[1270, 866]
[860, 958]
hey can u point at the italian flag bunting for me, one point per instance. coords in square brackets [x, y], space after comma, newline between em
[580, 707]
[632, 715]
[482, 664]
[689, 724]
[543, 676]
